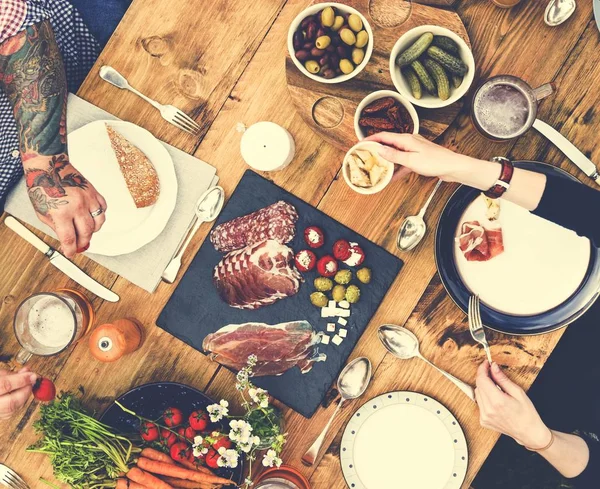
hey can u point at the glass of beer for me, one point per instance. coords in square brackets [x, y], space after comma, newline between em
[48, 323]
[504, 107]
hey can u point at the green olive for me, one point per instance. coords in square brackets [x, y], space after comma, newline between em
[348, 36]
[322, 42]
[357, 56]
[355, 23]
[362, 38]
[338, 23]
[346, 66]
[312, 66]
[327, 17]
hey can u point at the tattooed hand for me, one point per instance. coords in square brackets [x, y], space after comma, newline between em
[33, 76]
[64, 199]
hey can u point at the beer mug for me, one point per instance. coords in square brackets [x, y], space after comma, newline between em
[504, 107]
[47, 323]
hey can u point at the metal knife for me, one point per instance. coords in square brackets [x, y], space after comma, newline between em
[59, 261]
[569, 149]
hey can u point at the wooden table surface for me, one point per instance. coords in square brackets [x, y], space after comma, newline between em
[223, 64]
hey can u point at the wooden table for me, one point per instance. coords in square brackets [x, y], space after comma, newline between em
[223, 63]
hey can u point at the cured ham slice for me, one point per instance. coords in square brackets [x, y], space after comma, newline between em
[478, 243]
[257, 275]
[277, 347]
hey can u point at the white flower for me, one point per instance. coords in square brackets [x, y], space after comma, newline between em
[248, 482]
[228, 458]
[198, 447]
[249, 445]
[216, 412]
[271, 459]
[252, 359]
[259, 396]
[240, 431]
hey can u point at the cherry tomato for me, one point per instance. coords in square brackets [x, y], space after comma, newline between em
[149, 431]
[199, 420]
[180, 451]
[173, 417]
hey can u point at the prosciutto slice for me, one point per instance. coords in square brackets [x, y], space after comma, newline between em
[478, 243]
[277, 347]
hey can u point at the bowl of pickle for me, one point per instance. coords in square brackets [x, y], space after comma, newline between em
[330, 42]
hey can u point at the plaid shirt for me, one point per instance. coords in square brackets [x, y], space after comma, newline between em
[79, 50]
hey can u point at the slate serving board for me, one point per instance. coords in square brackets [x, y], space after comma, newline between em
[195, 309]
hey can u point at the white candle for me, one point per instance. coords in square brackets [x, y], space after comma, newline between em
[267, 146]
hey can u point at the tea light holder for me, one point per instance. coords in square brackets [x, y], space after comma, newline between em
[267, 146]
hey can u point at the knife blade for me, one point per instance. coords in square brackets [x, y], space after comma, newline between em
[63, 264]
[569, 149]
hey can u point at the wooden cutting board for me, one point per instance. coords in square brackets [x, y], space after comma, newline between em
[329, 108]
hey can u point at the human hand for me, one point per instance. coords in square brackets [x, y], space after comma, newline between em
[415, 153]
[508, 409]
[15, 390]
[64, 200]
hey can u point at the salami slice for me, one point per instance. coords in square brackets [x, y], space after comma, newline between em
[276, 222]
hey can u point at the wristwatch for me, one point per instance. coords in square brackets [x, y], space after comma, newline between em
[503, 182]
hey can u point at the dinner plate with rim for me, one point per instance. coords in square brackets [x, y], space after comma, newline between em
[404, 439]
[151, 400]
[127, 228]
[546, 277]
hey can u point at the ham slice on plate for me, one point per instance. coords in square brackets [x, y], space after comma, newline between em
[478, 243]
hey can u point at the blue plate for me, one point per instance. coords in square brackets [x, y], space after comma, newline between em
[150, 401]
[548, 321]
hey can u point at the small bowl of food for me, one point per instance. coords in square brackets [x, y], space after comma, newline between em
[330, 42]
[432, 66]
[364, 170]
[385, 111]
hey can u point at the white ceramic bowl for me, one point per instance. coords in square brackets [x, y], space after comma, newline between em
[313, 9]
[374, 148]
[427, 100]
[381, 94]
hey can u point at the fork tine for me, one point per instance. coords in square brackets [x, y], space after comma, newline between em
[185, 124]
[478, 312]
[471, 313]
[15, 480]
[188, 119]
[180, 126]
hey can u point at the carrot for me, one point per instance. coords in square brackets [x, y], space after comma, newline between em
[122, 484]
[179, 472]
[183, 484]
[145, 479]
[193, 466]
[153, 454]
[135, 485]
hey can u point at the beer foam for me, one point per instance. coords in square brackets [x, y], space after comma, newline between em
[51, 323]
[501, 110]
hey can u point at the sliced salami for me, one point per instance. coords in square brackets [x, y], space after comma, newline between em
[276, 222]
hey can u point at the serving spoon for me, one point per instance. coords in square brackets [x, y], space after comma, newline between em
[413, 228]
[208, 207]
[352, 383]
[558, 11]
[403, 344]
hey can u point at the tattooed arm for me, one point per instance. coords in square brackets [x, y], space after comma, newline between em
[33, 76]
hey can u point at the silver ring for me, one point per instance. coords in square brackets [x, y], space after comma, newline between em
[97, 212]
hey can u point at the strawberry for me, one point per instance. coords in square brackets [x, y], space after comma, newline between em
[222, 442]
[173, 417]
[327, 266]
[149, 431]
[314, 237]
[44, 390]
[341, 250]
[212, 459]
[168, 438]
[305, 260]
[199, 420]
[180, 452]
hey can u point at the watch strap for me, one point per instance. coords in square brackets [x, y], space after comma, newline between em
[503, 182]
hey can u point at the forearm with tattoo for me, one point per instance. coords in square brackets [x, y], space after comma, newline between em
[33, 76]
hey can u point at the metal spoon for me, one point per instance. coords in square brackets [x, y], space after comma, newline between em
[352, 383]
[403, 344]
[558, 11]
[208, 207]
[413, 228]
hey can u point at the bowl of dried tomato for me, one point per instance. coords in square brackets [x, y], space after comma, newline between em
[385, 111]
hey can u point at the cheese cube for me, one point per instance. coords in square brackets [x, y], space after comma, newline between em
[344, 304]
[330, 327]
[337, 340]
[344, 313]
[325, 339]
[332, 304]
[343, 332]
[342, 321]
[326, 312]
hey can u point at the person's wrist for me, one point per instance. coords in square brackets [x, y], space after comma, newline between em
[479, 174]
[537, 438]
[462, 167]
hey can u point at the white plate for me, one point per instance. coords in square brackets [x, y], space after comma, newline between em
[127, 228]
[542, 265]
[404, 440]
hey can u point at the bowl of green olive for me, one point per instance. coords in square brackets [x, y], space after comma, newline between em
[330, 42]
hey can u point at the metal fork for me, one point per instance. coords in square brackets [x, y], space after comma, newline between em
[476, 326]
[11, 479]
[169, 113]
